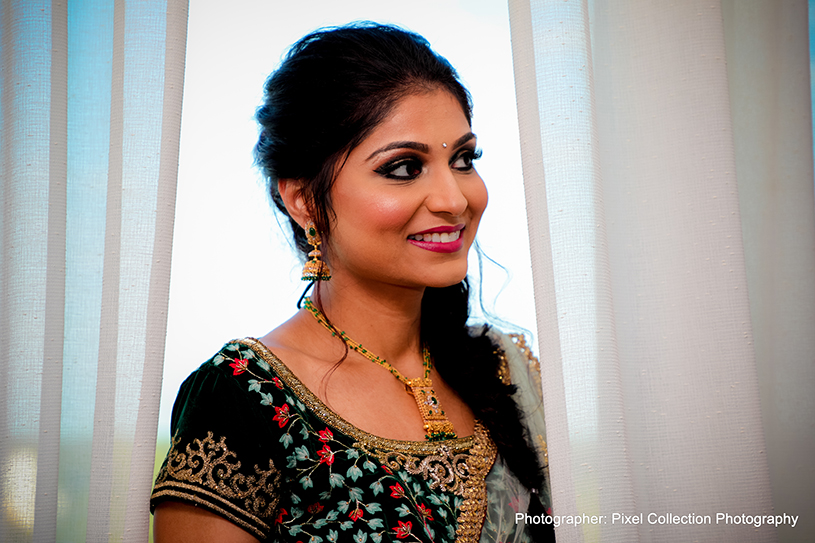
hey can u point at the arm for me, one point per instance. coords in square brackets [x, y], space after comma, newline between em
[176, 522]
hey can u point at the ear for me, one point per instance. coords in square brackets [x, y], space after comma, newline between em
[291, 191]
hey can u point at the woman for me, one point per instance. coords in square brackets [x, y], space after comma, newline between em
[367, 148]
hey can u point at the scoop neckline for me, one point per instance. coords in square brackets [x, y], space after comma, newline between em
[331, 418]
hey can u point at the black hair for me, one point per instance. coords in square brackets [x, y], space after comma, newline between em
[332, 89]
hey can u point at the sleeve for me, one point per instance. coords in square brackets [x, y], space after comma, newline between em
[219, 459]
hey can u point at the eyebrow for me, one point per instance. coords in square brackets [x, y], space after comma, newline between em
[416, 146]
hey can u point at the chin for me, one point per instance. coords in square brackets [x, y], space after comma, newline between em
[447, 280]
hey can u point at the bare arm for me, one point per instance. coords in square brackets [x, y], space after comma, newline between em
[176, 522]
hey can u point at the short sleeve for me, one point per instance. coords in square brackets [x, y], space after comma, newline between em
[219, 457]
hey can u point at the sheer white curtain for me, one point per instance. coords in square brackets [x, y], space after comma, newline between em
[669, 185]
[90, 104]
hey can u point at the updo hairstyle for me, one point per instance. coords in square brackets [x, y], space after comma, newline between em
[334, 87]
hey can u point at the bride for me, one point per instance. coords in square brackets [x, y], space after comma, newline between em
[374, 413]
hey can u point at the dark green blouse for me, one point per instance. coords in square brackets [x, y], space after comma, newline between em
[251, 443]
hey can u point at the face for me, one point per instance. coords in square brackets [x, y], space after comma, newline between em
[408, 200]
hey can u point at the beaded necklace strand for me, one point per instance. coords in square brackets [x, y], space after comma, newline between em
[437, 426]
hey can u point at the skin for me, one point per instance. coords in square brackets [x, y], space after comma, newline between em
[400, 181]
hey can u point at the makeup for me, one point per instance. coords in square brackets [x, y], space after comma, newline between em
[442, 239]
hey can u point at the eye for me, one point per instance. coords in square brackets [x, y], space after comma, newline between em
[405, 169]
[463, 162]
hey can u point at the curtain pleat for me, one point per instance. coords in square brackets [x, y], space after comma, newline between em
[53, 337]
[556, 112]
[25, 198]
[768, 68]
[644, 241]
[90, 119]
[682, 310]
[159, 286]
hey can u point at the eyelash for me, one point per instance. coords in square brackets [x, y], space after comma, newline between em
[388, 169]
[470, 155]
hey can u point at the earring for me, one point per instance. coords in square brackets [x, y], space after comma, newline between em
[315, 269]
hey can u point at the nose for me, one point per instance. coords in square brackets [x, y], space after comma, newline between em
[447, 195]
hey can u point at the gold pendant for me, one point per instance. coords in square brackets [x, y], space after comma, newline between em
[436, 425]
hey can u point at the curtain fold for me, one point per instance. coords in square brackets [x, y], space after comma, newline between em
[90, 109]
[556, 113]
[644, 252]
[768, 67]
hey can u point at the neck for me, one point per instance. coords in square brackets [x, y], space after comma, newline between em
[385, 319]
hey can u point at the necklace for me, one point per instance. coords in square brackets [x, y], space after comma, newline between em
[437, 426]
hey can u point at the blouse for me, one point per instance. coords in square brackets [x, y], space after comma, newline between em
[252, 444]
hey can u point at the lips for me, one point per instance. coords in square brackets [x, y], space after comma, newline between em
[442, 239]
[436, 237]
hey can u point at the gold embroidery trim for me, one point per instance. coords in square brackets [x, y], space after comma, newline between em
[446, 470]
[503, 368]
[209, 468]
[532, 361]
[327, 415]
[474, 509]
[190, 496]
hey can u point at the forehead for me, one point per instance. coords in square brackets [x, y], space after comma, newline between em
[422, 117]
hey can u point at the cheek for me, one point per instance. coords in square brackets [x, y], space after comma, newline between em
[386, 212]
[477, 199]
[368, 214]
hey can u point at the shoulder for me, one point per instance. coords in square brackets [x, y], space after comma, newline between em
[224, 379]
[217, 458]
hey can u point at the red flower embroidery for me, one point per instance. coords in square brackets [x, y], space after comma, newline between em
[326, 435]
[425, 511]
[387, 470]
[326, 455]
[355, 514]
[397, 491]
[280, 516]
[277, 382]
[314, 508]
[403, 530]
[282, 416]
[239, 366]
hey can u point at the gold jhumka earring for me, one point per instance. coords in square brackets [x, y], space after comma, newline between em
[315, 269]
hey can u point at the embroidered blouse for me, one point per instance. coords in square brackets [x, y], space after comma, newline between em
[251, 443]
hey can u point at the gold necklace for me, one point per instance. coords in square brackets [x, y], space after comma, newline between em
[437, 426]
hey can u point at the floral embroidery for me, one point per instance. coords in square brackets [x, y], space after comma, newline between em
[239, 366]
[315, 508]
[326, 455]
[403, 529]
[356, 514]
[282, 416]
[425, 511]
[397, 491]
[337, 484]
